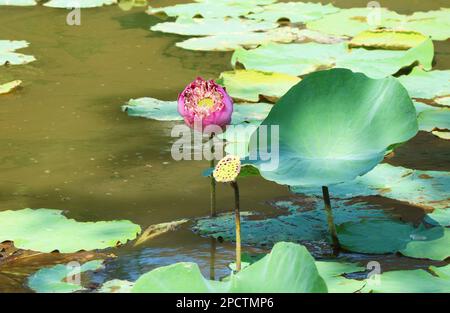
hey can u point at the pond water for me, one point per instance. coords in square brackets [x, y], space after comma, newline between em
[67, 145]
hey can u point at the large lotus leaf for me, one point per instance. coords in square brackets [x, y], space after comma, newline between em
[116, 286]
[18, 2]
[439, 217]
[288, 268]
[8, 54]
[387, 39]
[212, 26]
[422, 188]
[430, 120]
[9, 87]
[84, 4]
[332, 273]
[295, 226]
[48, 230]
[427, 85]
[409, 281]
[295, 12]
[350, 22]
[53, 279]
[233, 41]
[249, 85]
[209, 9]
[385, 236]
[300, 59]
[335, 136]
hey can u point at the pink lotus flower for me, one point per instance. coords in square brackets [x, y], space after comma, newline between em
[205, 102]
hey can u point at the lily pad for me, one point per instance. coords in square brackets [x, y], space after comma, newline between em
[409, 281]
[385, 236]
[18, 2]
[433, 119]
[47, 230]
[8, 54]
[295, 12]
[9, 87]
[387, 39]
[83, 4]
[53, 279]
[212, 26]
[421, 188]
[442, 271]
[353, 144]
[426, 85]
[300, 59]
[445, 101]
[116, 286]
[288, 268]
[250, 85]
[333, 274]
[439, 217]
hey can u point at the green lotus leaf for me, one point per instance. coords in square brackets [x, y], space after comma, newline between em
[421, 188]
[153, 109]
[9, 87]
[439, 217]
[442, 271]
[48, 230]
[288, 268]
[8, 54]
[426, 85]
[84, 4]
[18, 2]
[332, 273]
[208, 9]
[53, 279]
[295, 12]
[250, 112]
[300, 59]
[295, 226]
[249, 85]
[410, 281]
[212, 26]
[385, 236]
[387, 39]
[351, 22]
[233, 41]
[116, 286]
[322, 144]
[434, 119]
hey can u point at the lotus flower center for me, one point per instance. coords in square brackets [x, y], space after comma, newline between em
[206, 102]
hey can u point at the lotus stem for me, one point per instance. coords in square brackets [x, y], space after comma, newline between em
[213, 181]
[238, 225]
[212, 265]
[330, 220]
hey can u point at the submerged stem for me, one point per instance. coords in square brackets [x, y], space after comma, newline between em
[330, 220]
[238, 225]
[213, 182]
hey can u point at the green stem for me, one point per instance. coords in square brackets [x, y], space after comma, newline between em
[330, 220]
[213, 182]
[238, 225]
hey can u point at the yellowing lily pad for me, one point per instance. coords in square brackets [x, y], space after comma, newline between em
[48, 230]
[8, 54]
[295, 12]
[249, 85]
[84, 4]
[387, 39]
[9, 87]
[212, 26]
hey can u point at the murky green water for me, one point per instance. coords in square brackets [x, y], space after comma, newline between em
[67, 145]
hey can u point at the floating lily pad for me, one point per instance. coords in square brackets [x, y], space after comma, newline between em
[426, 85]
[53, 279]
[332, 273]
[295, 12]
[288, 268]
[350, 22]
[296, 226]
[9, 87]
[249, 85]
[442, 271]
[18, 2]
[412, 281]
[387, 39]
[48, 230]
[300, 59]
[433, 119]
[445, 101]
[116, 286]
[385, 236]
[84, 4]
[422, 188]
[212, 26]
[8, 54]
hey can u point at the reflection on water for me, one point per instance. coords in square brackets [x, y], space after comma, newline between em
[67, 145]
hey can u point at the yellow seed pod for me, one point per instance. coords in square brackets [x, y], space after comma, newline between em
[227, 169]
